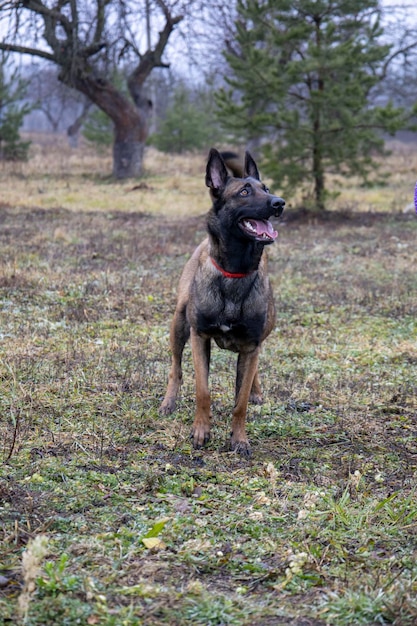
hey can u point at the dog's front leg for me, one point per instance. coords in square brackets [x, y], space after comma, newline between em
[256, 391]
[180, 331]
[247, 367]
[200, 347]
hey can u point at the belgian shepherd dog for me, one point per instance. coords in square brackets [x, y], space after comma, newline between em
[224, 294]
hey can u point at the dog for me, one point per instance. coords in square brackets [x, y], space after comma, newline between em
[233, 163]
[224, 294]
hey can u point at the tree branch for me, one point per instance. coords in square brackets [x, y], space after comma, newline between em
[101, 19]
[9, 47]
[36, 6]
[152, 58]
[395, 54]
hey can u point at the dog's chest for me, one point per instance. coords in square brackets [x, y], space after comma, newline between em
[234, 316]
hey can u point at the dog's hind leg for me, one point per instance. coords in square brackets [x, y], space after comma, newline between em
[200, 347]
[246, 379]
[179, 334]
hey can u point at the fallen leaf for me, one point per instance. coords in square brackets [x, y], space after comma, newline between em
[153, 543]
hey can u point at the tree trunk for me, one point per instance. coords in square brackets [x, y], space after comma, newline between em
[127, 158]
[317, 164]
[130, 133]
[130, 121]
[318, 171]
[73, 129]
[318, 181]
[317, 160]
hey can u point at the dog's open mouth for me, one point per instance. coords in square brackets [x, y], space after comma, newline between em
[262, 230]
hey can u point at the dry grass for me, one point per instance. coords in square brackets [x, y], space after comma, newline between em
[79, 179]
[319, 527]
[398, 171]
[57, 175]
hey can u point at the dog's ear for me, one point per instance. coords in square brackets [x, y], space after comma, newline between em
[251, 168]
[216, 172]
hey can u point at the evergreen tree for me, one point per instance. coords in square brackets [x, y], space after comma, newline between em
[12, 113]
[301, 81]
[189, 122]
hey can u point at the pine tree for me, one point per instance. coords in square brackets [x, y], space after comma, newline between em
[12, 112]
[189, 122]
[301, 79]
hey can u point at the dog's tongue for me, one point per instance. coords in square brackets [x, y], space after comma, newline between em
[263, 228]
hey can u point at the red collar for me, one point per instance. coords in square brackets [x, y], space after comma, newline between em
[228, 274]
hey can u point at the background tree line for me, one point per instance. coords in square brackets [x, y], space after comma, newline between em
[312, 86]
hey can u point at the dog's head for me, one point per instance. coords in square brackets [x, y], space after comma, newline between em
[242, 204]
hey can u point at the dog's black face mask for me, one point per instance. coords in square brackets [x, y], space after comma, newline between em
[254, 205]
[243, 205]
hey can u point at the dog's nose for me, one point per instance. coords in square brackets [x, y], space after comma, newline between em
[278, 205]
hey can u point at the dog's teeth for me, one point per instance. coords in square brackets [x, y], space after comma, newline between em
[249, 226]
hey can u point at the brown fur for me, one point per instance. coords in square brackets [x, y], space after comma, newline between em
[237, 312]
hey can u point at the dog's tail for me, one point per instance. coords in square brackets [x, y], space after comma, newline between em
[233, 163]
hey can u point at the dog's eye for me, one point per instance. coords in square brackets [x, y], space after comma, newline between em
[266, 189]
[244, 191]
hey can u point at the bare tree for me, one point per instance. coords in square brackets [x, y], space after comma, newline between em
[86, 39]
[73, 129]
[60, 104]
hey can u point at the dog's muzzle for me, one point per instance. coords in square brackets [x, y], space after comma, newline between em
[277, 204]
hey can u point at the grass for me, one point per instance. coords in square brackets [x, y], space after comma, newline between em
[107, 515]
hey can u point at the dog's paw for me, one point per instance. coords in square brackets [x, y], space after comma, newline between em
[241, 447]
[256, 398]
[167, 407]
[200, 437]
